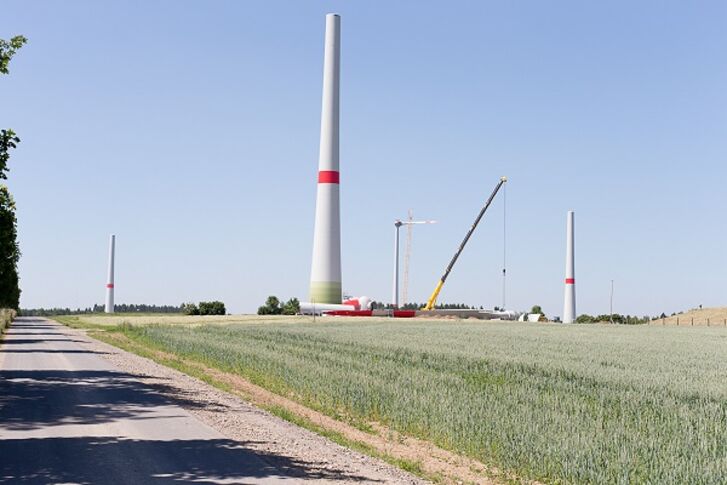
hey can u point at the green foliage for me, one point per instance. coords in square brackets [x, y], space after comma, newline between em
[8, 140]
[9, 249]
[9, 252]
[291, 307]
[99, 308]
[419, 306]
[6, 318]
[616, 318]
[271, 307]
[204, 308]
[212, 308]
[8, 50]
[190, 309]
[537, 309]
[561, 404]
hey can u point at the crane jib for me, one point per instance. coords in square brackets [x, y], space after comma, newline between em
[472, 229]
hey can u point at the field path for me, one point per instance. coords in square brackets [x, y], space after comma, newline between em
[74, 411]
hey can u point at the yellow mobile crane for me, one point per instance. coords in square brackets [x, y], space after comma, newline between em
[433, 299]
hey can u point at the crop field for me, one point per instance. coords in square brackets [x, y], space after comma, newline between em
[112, 319]
[561, 404]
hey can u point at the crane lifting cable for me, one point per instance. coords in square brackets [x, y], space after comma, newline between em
[504, 247]
[433, 298]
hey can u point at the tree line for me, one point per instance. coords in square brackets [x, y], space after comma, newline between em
[204, 308]
[9, 248]
[377, 305]
[615, 318]
[99, 308]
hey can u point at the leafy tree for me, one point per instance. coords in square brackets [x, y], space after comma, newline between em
[537, 309]
[8, 140]
[291, 307]
[9, 252]
[271, 307]
[212, 308]
[8, 50]
[190, 309]
[9, 249]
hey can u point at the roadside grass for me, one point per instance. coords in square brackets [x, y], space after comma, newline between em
[75, 321]
[6, 318]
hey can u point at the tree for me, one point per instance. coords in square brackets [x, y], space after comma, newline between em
[291, 307]
[585, 318]
[8, 140]
[271, 307]
[8, 50]
[9, 252]
[212, 308]
[537, 309]
[9, 249]
[190, 309]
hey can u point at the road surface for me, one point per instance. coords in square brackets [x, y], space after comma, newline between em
[67, 415]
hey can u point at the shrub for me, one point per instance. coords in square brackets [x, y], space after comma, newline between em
[271, 307]
[6, 318]
[212, 308]
[190, 309]
[291, 307]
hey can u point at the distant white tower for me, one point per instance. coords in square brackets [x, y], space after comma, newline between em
[569, 305]
[110, 281]
[325, 281]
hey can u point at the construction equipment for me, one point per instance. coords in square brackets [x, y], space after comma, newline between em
[407, 258]
[397, 224]
[433, 298]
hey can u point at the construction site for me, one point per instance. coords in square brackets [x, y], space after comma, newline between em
[326, 295]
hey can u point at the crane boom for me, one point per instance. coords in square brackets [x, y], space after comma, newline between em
[433, 298]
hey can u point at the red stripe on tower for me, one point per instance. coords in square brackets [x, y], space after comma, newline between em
[110, 285]
[570, 281]
[328, 177]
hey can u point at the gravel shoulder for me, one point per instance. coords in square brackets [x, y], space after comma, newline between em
[258, 429]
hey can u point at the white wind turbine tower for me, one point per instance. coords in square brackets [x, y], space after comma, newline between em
[397, 224]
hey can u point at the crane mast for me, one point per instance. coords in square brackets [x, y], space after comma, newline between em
[433, 298]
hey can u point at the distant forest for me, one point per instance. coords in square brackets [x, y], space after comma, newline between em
[118, 308]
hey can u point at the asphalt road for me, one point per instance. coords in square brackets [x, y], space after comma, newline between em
[68, 416]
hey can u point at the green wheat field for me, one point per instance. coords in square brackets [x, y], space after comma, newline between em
[562, 404]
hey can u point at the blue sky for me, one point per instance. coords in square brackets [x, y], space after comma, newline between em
[190, 129]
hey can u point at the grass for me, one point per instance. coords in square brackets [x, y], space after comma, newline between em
[97, 320]
[561, 404]
[6, 318]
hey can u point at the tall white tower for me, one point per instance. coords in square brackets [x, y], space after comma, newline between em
[569, 305]
[110, 281]
[325, 280]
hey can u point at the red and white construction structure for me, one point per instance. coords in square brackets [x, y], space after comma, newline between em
[109, 308]
[569, 304]
[325, 280]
